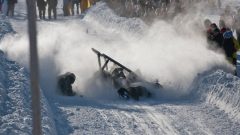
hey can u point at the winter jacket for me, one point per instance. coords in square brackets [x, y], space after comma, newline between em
[52, 3]
[214, 35]
[65, 82]
[84, 5]
[12, 1]
[217, 37]
[41, 4]
[230, 46]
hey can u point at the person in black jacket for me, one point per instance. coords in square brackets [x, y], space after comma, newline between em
[214, 36]
[229, 46]
[0, 6]
[237, 25]
[11, 7]
[52, 7]
[41, 4]
[65, 82]
[217, 37]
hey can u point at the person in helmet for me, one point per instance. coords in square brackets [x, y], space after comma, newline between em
[65, 82]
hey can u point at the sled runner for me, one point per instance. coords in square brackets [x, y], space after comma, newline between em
[127, 82]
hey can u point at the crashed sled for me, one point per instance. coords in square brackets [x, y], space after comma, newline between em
[127, 83]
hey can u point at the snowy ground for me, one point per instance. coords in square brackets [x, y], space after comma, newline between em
[211, 105]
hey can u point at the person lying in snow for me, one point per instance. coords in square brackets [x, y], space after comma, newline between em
[65, 82]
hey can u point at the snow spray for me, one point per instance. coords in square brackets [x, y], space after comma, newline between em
[174, 52]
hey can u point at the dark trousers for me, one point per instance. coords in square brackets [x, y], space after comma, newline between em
[41, 13]
[50, 9]
[238, 35]
[11, 9]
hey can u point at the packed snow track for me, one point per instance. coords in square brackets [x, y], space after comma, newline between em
[209, 106]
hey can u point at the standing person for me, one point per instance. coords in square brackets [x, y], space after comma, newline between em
[230, 46]
[66, 11]
[214, 36]
[11, 6]
[237, 25]
[84, 4]
[41, 4]
[228, 17]
[77, 3]
[222, 26]
[217, 37]
[219, 4]
[208, 30]
[0, 6]
[52, 6]
[5, 8]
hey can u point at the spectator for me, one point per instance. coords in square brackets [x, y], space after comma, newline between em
[5, 8]
[0, 6]
[230, 46]
[208, 30]
[52, 7]
[77, 3]
[217, 37]
[228, 17]
[41, 4]
[237, 25]
[85, 4]
[219, 4]
[11, 6]
[67, 6]
[222, 26]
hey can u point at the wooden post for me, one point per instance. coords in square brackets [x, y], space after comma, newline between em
[34, 75]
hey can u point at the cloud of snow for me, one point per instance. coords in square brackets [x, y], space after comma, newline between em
[172, 52]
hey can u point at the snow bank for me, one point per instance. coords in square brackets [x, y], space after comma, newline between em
[222, 90]
[15, 97]
[5, 28]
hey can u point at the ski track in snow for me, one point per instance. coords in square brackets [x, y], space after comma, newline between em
[214, 113]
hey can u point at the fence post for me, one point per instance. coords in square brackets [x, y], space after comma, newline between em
[34, 71]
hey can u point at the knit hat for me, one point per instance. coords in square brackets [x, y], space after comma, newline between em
[228, 34]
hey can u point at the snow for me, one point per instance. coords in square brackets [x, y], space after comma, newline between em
[201, 97]
[15, 105]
